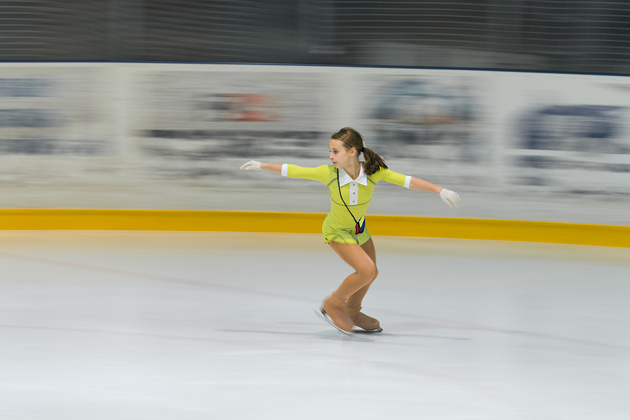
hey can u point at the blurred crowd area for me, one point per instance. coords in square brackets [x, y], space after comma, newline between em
[591, 36]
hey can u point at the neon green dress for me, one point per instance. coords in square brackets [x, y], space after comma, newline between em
[339, 225]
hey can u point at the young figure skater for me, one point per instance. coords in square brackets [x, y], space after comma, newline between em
[351, 183]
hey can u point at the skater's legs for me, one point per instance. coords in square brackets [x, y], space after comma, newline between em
[357, 297]
[364, 266]
[336, 305]
[355, 301]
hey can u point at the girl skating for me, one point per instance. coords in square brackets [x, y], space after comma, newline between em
[351, 184]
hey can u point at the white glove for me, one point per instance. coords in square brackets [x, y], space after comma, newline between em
[251, 165]
[450, 197]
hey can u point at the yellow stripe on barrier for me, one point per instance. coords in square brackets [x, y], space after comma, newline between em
[182, 220]
[250, 221]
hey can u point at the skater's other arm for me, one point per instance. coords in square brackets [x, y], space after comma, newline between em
[256, 166]
[449, 197]
[422, 185]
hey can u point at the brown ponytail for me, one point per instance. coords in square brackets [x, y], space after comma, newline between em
[373, 162]
[351, 138]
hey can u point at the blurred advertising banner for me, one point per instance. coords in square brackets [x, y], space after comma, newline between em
[431, 124]
[55, 123]
[527, 146]
[569, 134]
[197, 125]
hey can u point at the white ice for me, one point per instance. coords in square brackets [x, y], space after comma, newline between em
[187, 326]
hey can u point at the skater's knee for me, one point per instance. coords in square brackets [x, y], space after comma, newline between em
[368, 272]
[372, 272]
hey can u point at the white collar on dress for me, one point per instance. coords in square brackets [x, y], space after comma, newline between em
[344, 178]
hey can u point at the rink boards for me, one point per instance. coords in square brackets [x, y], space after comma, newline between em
[292, 222]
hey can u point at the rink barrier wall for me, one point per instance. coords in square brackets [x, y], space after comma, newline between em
[281, 222]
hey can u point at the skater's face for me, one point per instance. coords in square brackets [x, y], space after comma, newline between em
[339, 155]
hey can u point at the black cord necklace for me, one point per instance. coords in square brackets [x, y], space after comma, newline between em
[357, 228]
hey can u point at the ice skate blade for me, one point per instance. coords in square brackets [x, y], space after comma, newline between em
[322, 314]
[361, 331]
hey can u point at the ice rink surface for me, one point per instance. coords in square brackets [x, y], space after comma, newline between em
[191, 326]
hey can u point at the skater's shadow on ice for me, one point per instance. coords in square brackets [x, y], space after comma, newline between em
[327, 335]
[400, 330]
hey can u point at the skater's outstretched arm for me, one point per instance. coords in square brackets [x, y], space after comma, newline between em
[449, 197]
[255, 165]
[422, 185]
[319, 173]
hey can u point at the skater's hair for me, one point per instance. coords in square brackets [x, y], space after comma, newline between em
[351, 138]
